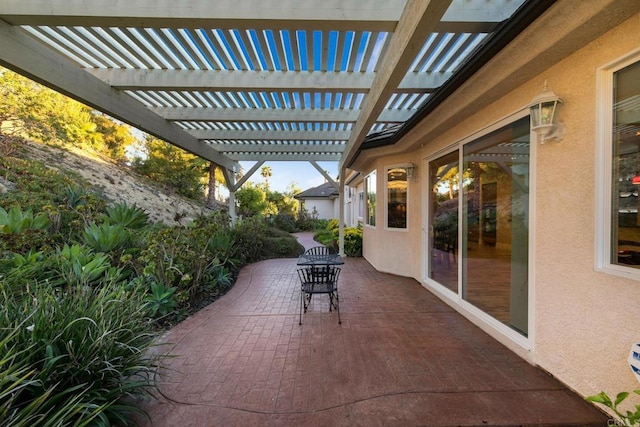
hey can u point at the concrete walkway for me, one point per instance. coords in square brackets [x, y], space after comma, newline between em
[400, 358]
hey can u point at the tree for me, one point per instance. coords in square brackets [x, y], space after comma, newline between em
[251, 200]
[116, 137]
[266, 173]
[33, 111]
[173, 167]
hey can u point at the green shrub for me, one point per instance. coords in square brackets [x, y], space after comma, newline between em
[249, 237]
[190, 258]
[324, 236]
[85, 351]
[280, 244]
[256, 240]
[353, 241]
[285, 222]
[333, 224]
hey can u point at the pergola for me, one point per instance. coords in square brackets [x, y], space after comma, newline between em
[259, 80]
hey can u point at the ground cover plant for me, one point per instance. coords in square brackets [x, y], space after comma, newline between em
[85, 287]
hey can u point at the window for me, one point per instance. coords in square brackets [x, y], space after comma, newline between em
[397, 197]
[360, 204]
[370, 188]
[625, 135]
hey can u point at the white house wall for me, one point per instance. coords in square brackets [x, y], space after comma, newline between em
[583, 322]
[326, 208]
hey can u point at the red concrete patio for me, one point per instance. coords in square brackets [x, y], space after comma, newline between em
[400, 358]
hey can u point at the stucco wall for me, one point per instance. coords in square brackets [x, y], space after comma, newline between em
[584, 321]
[326, 208]
[587, 320]
[392, 250]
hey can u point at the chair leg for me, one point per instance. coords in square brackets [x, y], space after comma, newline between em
[337, 303]
[301, 304]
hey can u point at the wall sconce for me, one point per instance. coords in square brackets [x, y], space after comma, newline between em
[412, 171]
[543, 115]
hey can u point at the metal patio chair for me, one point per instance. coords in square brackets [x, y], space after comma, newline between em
[318, 250]
[319, 280]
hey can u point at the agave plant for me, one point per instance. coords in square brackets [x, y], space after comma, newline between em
[105, 237]
[76, 196]
[126, 216]
[15, 221]
[161, 300]
[78, 265]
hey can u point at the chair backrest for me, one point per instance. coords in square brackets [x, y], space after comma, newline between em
[324, 275]
[317, 250]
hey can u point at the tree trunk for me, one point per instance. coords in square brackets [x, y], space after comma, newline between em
[211, 190]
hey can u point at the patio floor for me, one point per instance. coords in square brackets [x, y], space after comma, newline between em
[400, 358]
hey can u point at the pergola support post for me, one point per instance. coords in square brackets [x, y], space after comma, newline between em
[341, 200]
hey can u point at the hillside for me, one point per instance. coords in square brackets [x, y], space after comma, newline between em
[115, 182]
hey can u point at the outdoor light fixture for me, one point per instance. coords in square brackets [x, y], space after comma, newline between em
[543, 115]
[412, 171]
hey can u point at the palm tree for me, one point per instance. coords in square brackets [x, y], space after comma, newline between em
[266, 173]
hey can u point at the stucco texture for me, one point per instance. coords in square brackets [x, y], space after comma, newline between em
[583, 321]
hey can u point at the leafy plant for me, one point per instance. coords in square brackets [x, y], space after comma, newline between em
[15, 221]
[161, 300]
[72, 357]
[126, 216]
[353, 241]
[78, 265]
[75, 195]
[105, 237]
[629, 418]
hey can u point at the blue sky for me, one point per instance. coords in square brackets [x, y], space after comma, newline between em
[284, 173]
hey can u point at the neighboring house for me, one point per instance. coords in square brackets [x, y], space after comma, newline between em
[322, 201]
[536, 241]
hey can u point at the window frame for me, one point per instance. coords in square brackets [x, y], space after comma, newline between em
[604, 166]
[404, 166]
[367, 218]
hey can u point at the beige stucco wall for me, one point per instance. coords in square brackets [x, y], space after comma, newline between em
[584, 321]
[393, 250]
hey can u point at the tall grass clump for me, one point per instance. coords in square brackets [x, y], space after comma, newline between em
[77, 355]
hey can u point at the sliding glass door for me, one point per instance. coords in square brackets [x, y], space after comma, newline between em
[493, 243]
[443, 237]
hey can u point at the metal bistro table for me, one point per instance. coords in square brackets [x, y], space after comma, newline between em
[319, 275]
[320, 259]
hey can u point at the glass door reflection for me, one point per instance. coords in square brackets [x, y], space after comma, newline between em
[443, 218]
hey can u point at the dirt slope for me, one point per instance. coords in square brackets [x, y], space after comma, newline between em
[118, 184]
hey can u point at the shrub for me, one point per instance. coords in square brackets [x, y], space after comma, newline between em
[333, 224]
[353, 241]
[324, 236]
[85, 350]
[285, 222]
